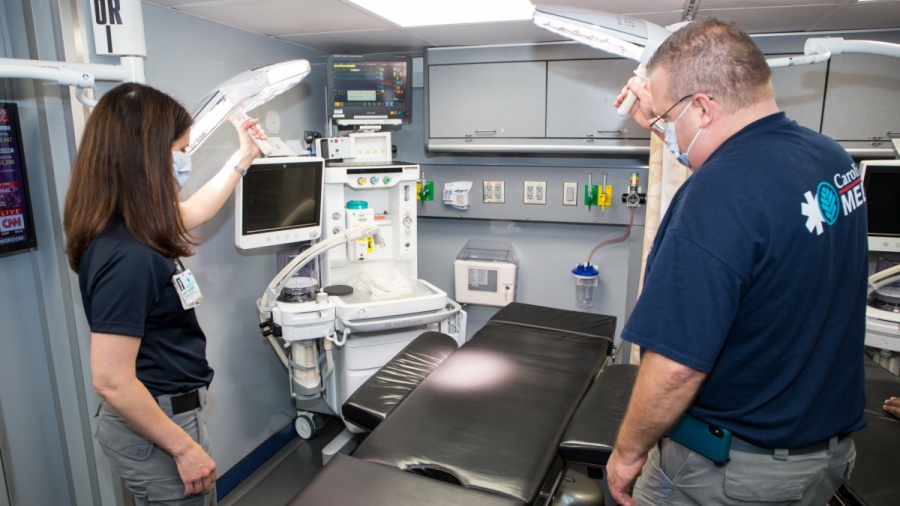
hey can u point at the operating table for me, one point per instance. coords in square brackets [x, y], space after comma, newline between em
[874, 479]
[501, 420]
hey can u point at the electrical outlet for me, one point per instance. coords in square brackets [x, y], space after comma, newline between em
[493, 192]
[535, 192]
[570, 194]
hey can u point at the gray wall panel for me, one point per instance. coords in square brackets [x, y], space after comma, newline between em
[249, 399]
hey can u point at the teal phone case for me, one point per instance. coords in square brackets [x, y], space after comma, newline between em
[711, 442]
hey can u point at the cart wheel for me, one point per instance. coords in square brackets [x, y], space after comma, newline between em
[304, 426]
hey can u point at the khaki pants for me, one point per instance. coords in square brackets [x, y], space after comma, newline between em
[148, 471]
[674, 474]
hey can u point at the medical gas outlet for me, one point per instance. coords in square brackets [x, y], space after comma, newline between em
[598, 195]
[634, 197]
[358, 212]
[424, 190]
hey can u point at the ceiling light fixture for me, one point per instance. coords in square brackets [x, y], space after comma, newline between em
[412, 13]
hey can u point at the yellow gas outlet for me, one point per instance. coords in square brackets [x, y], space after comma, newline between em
[604, 198]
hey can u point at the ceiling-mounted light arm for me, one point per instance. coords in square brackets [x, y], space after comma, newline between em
[690, 10]
[80, 75]
[820, 49]
[813, 54]
[625, 36]
[231, 100]
[118, 31]
[837, 45]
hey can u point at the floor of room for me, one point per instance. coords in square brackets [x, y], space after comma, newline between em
[283, 476]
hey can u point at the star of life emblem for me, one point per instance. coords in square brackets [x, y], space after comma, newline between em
[813, 213]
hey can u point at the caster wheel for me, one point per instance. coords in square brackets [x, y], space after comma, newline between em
[308, 424]
[304, 426]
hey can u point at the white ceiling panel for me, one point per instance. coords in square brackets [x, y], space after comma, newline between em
[281, 17]
[754, 4]
[773, 19]
[510, 32]
[360, 42]
[659, 18]
[336, 26]
[858, 16]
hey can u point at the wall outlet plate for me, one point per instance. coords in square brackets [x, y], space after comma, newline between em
[535, 192]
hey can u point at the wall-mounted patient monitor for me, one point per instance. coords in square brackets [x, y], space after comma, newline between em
[372, 91]
[279, 201]
[881, 183]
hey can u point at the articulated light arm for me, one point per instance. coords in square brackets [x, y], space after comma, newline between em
[118, 31]
[631, 38]
[820, 49]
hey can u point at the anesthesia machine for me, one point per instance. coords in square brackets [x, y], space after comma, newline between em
[348, 298]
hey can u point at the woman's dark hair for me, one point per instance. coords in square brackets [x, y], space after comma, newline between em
[124, 165]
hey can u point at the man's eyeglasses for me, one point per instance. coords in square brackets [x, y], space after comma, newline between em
[659, 123]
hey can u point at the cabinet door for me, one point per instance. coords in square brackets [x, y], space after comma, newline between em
[800, 93]
[580, 97]
[862, 102]
[493, 100]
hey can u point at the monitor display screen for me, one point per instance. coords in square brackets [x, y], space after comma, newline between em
[279, 201]
[369, 89]
[16, 222]
[881, 183]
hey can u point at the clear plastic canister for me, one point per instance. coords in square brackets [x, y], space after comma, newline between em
[586, 279]
[304, 284]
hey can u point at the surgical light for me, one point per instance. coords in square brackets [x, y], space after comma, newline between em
[231, 100]
[624, 36]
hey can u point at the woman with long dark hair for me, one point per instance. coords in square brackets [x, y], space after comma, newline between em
[126, 230]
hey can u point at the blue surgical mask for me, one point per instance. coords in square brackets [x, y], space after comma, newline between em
[181, 165]
[672, 139]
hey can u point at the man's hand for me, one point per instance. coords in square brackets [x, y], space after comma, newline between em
[642, 110]
[196, 469]
[620, 475]
[892, 406]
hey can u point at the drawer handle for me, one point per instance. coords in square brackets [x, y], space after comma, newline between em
[893, 135]
[609, 132]
[486, 132]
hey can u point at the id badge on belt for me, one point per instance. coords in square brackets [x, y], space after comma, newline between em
[186, 286]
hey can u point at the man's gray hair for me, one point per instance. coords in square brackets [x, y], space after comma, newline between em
[718, 58]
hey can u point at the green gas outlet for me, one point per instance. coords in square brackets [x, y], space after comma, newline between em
[591, 196]
[425, 192]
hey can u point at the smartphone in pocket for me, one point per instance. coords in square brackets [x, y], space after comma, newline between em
[712, 442]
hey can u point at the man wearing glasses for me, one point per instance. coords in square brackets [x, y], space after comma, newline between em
[752, 315]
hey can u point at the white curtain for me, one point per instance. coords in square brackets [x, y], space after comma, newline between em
[666, 175]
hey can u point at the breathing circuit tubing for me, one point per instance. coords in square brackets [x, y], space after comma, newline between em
[613, 241]
[267, 301]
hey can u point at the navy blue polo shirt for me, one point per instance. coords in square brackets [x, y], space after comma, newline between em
[126, 289]
[758, 277]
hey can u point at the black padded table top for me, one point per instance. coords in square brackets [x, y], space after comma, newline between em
[491, 416]
[592, 433]
[875, 480]
[349, 481]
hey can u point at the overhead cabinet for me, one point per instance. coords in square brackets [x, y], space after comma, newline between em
[862, 102]
[800, 93]
[552, 98]
[488, 100]
[558, 98]
[580, 97]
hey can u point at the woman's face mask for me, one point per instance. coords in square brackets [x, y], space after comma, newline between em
[181, 166]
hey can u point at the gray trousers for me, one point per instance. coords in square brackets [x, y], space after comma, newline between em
[674, 474]
[148, 471]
